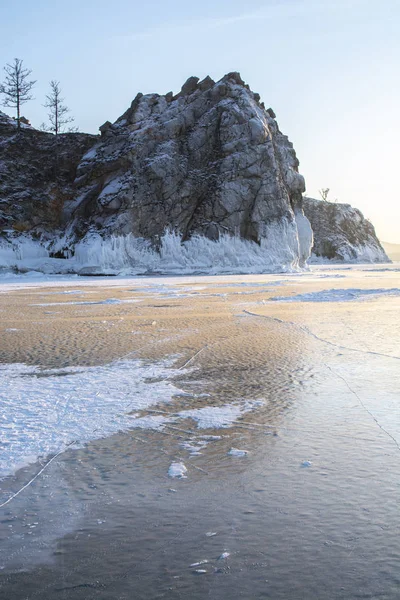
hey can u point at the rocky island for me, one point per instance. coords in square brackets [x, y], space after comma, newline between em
[199, 181]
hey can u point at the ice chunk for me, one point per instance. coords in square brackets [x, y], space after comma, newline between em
[200, 571]
[177, 469]
[237, 452]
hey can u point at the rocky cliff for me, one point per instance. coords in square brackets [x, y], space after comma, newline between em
[37, 172]
[342, 233]
[203, 180]
[208, 161]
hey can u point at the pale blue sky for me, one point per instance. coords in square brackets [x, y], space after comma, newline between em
[329, 69]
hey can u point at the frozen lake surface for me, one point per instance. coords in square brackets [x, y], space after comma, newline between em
[192, 437]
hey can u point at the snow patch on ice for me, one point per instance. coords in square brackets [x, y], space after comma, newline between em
[193, 448]
[339, 295]
[44, 411]
[220, 417]
[156, 422]
[107, 301]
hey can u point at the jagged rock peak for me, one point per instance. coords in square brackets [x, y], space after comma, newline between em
[155, 103]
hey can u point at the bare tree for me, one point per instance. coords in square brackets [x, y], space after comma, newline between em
[58, 112]
[16, 87]
[324, 194]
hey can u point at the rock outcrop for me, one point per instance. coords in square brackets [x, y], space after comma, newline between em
[342, 233]
[203, 180]
[208, 161]
[37, 171]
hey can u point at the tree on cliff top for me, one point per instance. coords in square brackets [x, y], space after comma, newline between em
[324, 194]
[58, 112]
[16, 87]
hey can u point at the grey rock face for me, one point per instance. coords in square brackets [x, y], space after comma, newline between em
[207, 162]
[342, 233]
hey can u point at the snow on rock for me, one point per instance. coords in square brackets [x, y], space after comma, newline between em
[177, 469]
[200, 181]
[37, 172]
[342, 233]
[209, 163]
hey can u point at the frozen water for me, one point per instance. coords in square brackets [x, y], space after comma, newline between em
[108, 301]
[305, 236]
[278, 251]
[339, 295]
[44, 411]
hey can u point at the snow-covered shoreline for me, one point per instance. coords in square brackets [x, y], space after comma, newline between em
[127, 255]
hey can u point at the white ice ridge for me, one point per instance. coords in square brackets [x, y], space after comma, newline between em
[280, 250]
[340, 295]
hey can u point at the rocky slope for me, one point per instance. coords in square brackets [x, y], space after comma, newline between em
[203, 180]
[342, 233]
[37, 172]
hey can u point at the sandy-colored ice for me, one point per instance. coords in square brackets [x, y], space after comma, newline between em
[93, 322]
